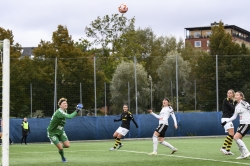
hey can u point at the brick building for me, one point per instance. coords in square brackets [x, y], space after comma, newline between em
[199, 36]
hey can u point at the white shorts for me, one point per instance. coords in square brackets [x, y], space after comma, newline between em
[228, 125]
[122, 131]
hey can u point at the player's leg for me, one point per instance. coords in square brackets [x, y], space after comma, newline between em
[241, 131]
[54, 137]
[229, 128]
[159, 132]
[155, 143]
[115, 137]
[118, 140]
[66, 144]
[161, 139]
[118, 135]
[162, 142]
[230, 140]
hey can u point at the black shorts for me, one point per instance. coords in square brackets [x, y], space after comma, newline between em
[161, 129]
[243, 129]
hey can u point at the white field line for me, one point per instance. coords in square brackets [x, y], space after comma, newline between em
[129, 151]
[192, 158]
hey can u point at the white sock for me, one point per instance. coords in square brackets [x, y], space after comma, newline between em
[242, 147]
[167, 144]
[155, 142]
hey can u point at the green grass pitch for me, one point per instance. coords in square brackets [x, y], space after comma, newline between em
[191, 152]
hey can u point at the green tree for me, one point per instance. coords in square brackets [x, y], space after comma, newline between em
[15, 48]
[167, 74]
[108, 29]
[123, 75]
[74, 67]
[220, 41]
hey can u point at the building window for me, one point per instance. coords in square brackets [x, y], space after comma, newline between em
[197, 44]
[208, 34]
[197, 34]
[208, 42]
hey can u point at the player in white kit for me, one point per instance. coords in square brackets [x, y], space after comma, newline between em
[160, 131]
[243, 110]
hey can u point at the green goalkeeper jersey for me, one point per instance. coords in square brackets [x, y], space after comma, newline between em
[58, 120]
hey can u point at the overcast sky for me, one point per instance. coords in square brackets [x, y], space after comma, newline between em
[33, 20]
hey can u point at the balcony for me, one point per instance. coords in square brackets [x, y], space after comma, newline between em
[247, 39]
[197, 36]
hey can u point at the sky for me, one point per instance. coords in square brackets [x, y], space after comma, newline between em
[34, 20]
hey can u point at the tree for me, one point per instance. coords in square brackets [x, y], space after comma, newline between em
[220, 41]
[15, 52]
[15, 48]
[108, 29]
[167, 74]
[73, 67]
[123, 75]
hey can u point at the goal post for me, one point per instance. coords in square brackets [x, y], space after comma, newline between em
[5, 101]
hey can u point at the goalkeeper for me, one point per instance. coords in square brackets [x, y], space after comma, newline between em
[55, 129]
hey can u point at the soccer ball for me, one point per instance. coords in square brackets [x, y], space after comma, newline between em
[123, 8]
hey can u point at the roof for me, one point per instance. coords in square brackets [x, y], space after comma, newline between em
[225, 26]
[27, 51]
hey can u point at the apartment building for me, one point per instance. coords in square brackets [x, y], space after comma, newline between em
[199, 36]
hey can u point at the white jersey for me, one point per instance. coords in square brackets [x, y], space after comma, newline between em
[164, 114]
[243, 110]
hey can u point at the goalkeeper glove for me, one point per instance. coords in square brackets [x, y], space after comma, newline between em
[116, 120]
[223, 124]
[136, 126]
[79, 107]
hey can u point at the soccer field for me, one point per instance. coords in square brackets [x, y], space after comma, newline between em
[191, 152]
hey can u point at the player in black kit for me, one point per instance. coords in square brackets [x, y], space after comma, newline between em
[227, 112]
[126, 117]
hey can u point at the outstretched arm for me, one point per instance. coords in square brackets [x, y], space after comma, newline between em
[155, 115]
[117, 120]
[69, 116]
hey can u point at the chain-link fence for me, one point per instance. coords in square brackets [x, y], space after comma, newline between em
[104, 84]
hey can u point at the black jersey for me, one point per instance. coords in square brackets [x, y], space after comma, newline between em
[228, 108]
[126, 117]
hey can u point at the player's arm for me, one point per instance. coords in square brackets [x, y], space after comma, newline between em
[174, 118]
[117, 120]
[155, 115]
[132, 118]
[68, 116]
[230, 119]
[72, 115]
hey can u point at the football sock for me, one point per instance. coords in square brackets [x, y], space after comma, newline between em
[61, 153]
[229, 139]
[242, 146]
[228, 142]
[155, 142]
[117, 142]
[167, 144]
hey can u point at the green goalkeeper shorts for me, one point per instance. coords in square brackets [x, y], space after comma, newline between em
[57, 137]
